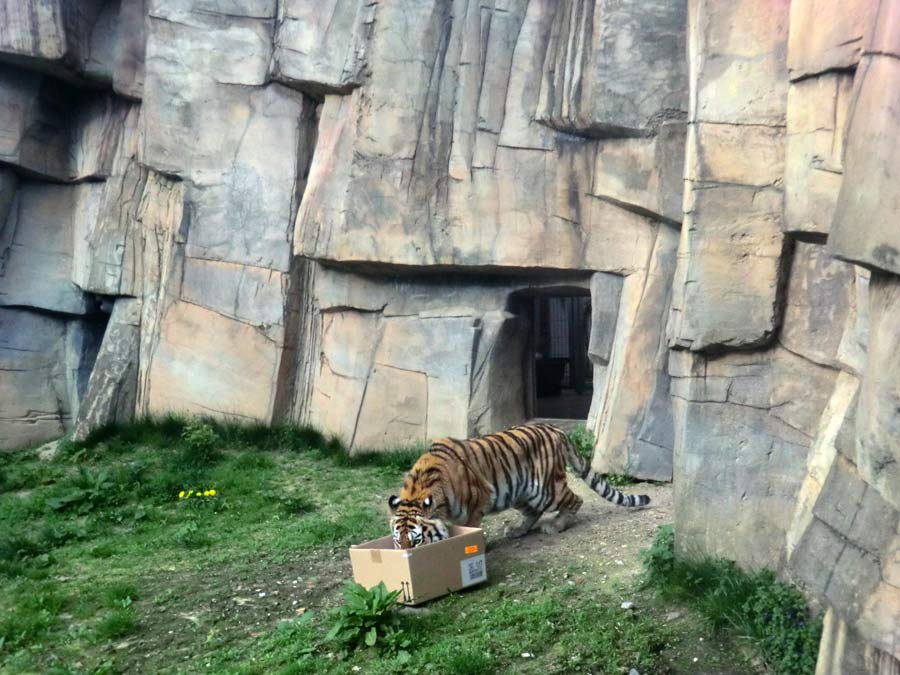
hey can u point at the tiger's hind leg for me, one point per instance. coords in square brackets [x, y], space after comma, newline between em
[566, 507]
[530, 516]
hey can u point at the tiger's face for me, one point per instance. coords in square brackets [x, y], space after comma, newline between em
[408, 520]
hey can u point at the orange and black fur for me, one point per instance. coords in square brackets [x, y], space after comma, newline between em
[522, 468]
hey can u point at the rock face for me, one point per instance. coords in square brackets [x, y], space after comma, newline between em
[355, 215]
[785, 388]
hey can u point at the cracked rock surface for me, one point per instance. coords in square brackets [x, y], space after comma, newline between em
[350, 214]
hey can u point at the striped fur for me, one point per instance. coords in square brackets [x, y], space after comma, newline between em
[418, 531]
[522, 468]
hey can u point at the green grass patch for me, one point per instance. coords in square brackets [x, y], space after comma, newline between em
[102, 564]
[116, 624]
[772, 614]
[583, 439]
[489, 631]
[105, 515]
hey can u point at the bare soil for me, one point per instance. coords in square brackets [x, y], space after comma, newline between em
[599, 552]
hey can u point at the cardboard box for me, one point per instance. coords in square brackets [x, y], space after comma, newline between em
[426, 572]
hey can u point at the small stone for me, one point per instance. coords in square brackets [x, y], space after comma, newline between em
[48, 451]
[671, 616]
[696, 659]
[262, 594]
[527, 655]
[633, 671]
[627, 605]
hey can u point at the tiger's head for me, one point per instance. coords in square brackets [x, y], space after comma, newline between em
[408, 518]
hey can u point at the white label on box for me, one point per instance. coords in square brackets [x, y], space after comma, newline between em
[473, 570]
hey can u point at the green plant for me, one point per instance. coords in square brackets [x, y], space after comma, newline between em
[88, 490]
[116, 623]
[368, 618]
[583, 439]
[619, 479]
[659, 559]
[772, 614]
[31, 620]
[120, 595]
[190, 535]
[200, 441]
[778, 621]
[296, 505]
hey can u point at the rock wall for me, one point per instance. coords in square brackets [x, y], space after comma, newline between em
[341, 212]
[783, 328]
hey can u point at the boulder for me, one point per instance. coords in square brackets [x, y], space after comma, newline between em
[497, 394]
[859, 232]
[320, 47]
[878, 418]
[51, 130]
[210, 41]
[131, 43]
[111, 264]
[51, 35]
[437, 160]
[730, 268]
[34, 123]
[205, 363]
[33, 397]
[643, 174]
[816, 117]
[112, 389]
[827, 35]
[254, 189]
[97, 126]
[614, 68]
[44, 231]
[744, 423]
[244, 144]
[822, 309]
[631, 410]
[253, 295]
[737, 51]
[731, 258]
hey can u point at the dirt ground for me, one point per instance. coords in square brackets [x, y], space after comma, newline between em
[605, 538]
[600, 551]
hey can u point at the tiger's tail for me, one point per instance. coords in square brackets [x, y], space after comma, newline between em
[597, 481]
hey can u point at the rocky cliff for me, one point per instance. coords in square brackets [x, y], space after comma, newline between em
[343, 213]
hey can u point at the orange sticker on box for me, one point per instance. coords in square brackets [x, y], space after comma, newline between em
[471, 549]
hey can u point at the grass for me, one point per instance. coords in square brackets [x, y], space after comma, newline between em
[105, 514]
[103, 569]
[583, 439]
[494, 631]
[771, 614]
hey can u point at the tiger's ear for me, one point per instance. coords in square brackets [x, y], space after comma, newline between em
[393, 502]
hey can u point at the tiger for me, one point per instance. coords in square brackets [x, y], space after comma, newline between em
[420, 531]
[522, 468]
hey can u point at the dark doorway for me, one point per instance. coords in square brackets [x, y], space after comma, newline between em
[562, 372]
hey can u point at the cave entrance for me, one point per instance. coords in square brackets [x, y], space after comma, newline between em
[558, 373]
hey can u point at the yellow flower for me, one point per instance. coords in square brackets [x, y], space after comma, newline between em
[181, 495]
[189, 493]
[212, 493]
